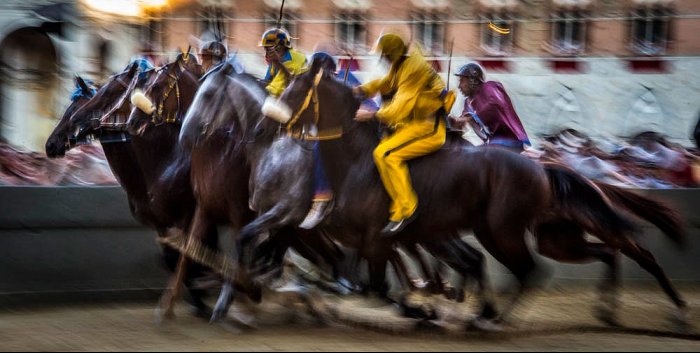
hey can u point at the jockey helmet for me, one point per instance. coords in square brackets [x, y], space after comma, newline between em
[391, 46]
[473, 72]
[275, 37]
[214, 48]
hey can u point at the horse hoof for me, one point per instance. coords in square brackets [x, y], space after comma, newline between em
[160, 315]
[607, 316]
[485, 325]
[680, 322]
[429, 325]
[244, 319]
[217, 316]
[423, 312]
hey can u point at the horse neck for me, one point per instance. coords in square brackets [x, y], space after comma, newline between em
[156, 149]
[352, 153]
[121, 159]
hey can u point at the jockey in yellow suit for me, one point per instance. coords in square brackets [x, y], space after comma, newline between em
[283, 61]
[414, 114]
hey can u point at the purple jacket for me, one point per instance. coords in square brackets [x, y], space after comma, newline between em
[493, 107]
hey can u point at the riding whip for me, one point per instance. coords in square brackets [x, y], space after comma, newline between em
[347, 69]
[279, 20]
[449, 63]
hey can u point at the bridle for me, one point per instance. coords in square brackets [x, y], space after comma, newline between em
[312, 97]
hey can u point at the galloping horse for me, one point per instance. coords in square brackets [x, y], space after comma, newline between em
[155, 179]
[497, 194]
[220, 172]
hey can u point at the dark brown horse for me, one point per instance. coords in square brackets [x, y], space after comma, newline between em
[155, 178]
[497, 194]
[220, 171]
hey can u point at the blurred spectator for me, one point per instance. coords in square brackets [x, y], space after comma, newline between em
[84, 165]
[696, 133]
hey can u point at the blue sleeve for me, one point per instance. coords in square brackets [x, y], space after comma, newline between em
[368, 103]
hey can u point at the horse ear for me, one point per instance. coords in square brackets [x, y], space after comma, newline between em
[133, 68]
[79, 82]
[227, 69]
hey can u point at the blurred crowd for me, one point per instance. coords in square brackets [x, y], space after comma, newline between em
[647, 160]
[84, 165]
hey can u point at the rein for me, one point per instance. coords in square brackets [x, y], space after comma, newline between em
[101, 120]
[157, 117]
[312, 96]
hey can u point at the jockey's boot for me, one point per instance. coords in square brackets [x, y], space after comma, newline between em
[319, 210]
[393, 227]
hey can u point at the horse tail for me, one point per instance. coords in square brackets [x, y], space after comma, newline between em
[656, 212]
[579, 200]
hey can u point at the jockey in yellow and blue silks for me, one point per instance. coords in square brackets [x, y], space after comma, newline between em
[415, 113]
[284, 62]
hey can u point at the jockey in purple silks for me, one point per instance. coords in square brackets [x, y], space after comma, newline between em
[489, 111]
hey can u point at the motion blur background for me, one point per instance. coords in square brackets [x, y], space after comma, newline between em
[609, 69]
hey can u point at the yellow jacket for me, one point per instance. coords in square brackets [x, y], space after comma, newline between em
[416, 87]
[294, 61]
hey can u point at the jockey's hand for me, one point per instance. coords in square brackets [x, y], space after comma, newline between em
[467, 117]
[358, 92]
[456, 123]
[364, 115]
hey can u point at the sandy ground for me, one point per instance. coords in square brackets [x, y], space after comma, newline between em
[552, 320]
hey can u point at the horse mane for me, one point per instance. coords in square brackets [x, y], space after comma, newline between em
[241, 93]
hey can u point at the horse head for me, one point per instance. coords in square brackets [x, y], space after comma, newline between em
[166, 98]
[190, 62]
[108, 105]
[58, 142]
[315, 98]
[225, 101]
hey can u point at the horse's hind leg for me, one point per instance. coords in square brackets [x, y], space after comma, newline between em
[564, 242]
[507, 244]
[469, 263]
[647, 261]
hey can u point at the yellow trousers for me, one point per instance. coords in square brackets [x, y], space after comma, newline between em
[413, 140]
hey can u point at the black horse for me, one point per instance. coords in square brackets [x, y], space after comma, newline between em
[497, 194]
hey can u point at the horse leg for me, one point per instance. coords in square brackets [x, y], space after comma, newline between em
[469, 263]
[564, 242]
[506, 242]
[647, 261]
[429, 274]
[252, 230]
[201, 230]
[167, 300]
[401, 270]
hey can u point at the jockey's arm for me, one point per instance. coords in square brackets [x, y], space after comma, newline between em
[381, 85]
[281, 79]
[412, 80]
[478, 130]
[277, 85]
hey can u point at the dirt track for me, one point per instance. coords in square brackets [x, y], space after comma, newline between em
[550, 321]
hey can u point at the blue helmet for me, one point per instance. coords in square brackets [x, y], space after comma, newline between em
[325, 59]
